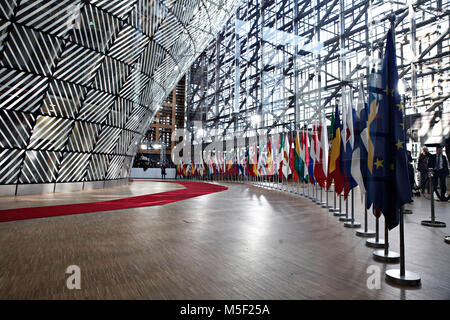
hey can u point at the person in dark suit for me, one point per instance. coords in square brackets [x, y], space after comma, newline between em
[163, 171]
[422, 167]
[439, 163]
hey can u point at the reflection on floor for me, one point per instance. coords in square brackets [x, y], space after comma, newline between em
[246, 242]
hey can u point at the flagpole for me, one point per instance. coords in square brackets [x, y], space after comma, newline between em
[345, 217]
[352, 223]
[375, 242]
[339, 212]
[400, 276]
[433, 222]
[365, 232]
[334, 209]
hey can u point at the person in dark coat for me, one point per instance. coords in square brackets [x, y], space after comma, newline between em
[422, 167]
[411, 172]
[163, 171]
[439, 163]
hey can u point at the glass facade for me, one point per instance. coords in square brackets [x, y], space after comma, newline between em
[281, 64]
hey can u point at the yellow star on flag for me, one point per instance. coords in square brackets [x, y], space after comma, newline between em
[402, 125]
[379, 163]
[399, 106]
[399, 144]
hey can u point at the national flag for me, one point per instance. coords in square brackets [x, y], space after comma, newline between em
[312, 154]
[304, 154]
[359, 156]
[270, 166]
[375, 96]
[292, 163]
[389, 182]
[348, 143]
[335, 172]
[321, 166]
[298, 160]
[281, 157]
[286, 148]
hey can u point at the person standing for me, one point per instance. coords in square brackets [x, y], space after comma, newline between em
[439, 163]
[422, 166]
[163, 171]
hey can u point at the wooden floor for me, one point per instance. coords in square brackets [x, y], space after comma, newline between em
[244, 243]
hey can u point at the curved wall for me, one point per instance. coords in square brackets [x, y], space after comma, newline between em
[80, 81]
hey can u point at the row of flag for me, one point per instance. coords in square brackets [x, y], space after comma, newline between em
[366, 149]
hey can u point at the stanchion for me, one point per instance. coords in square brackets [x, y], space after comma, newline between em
[402, 276]
[339, 213]
[433, 222]
[365, 232]
[386, 255]
[345, 218]
[352, 223]
[376, 242]
[334, 209]
[318, 201]
[447, 239]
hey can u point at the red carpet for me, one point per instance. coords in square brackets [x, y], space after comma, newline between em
[193, 189]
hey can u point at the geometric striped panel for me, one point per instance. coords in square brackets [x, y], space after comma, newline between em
[145, 121]
[78, 65]
[107, 140]
[115, 167]
[3, 27]
[15, 128]
[73, 167]
[136, 117]
[151, 58]
[51, 16]
[7, 8]
[40, 167]
[183, 10]
[97, 167]
[170, 25]
[96, 28]
[134, 85]
[10, 162]
[21, 91]
[96, 106]
[63, 99]
[37, 50]
[118, 8]
[50, 133]
[131, 151]
[119, 113]
[147, 15]
[128, 45]
[83, 136]
[111, 75]
[124, 141]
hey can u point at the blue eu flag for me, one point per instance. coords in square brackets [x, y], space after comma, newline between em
[390, 188]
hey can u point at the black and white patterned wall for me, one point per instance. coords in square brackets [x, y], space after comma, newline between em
[81, 80]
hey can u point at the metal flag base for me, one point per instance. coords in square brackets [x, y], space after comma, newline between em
[345, 219]
[339, 214]
[430, 223]
[324, 205]
[352, 224]
[447, 239]
[390, 256]
[408, 279]
[333, 210]
[373, 243]
[407, 211]
[362, 233]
